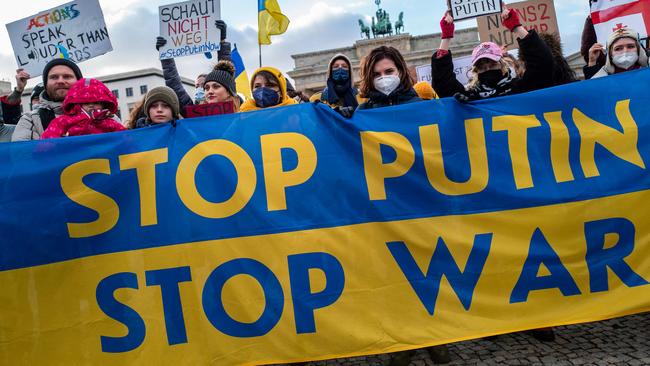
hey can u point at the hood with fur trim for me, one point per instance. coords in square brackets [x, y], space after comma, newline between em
[624, 32]
[89, 91]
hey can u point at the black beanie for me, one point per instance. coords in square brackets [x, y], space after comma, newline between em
[61, 62]
[36, 92]
[223, 73]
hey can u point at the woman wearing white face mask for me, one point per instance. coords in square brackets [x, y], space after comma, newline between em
[385, 80]
[625, 53]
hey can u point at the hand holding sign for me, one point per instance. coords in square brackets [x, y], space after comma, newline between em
[188, 28]
[594, 53]
[447, 26]
[467, 9]
[21, 80]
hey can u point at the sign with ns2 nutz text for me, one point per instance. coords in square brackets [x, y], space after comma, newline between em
[534, 14]
[189, 28]
[75, 30]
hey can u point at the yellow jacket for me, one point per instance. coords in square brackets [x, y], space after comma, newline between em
[249, 105]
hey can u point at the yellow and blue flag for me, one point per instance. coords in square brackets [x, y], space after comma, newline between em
[271, 21]
[241, 76]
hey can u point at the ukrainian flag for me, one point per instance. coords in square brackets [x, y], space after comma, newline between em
[271, 21]
[241, 77]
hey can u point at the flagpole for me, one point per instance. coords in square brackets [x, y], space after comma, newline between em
[260, 52]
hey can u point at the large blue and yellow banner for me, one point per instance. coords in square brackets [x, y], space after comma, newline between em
[293, 234]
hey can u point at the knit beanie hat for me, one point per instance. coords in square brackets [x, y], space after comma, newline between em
[61, 62]
[36, 92]
[224, 74]
[162, 94]
[624, 32]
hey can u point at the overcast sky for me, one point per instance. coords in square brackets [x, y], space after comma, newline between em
[315, 25]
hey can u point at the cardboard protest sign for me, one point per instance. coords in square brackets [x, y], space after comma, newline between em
[608, 16]
[189, 28]
[75, 30]
[210, 109]
[534, 14]
[462, 67]
[467, 9]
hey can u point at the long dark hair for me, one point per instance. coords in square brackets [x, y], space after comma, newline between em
[368, 63]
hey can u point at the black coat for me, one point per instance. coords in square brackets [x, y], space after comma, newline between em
[399, 96]
[538, 75]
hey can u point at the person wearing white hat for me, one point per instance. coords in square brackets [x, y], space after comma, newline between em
[624, 53]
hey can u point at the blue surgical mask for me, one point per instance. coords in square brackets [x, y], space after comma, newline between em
[266, 97]
[340, 75]
[199, 95]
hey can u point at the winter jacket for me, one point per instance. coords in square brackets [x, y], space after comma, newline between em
[75, 121]
[347, 95]
[285, 100]
[399, 96]
[10, 111]
[173, 79]
[589, 38]
[538, 75]
[6, 131]
[31, 124]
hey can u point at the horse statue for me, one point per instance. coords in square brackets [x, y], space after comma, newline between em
[399, 24]
[383, 26]
[365, 30]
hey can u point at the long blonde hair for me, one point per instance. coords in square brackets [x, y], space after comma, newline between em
[474, 82]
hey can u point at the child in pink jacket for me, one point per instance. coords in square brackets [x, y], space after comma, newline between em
[89, 108]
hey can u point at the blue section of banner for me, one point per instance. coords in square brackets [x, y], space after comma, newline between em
[34, 209]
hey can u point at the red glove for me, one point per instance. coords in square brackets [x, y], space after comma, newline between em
[447, 28]
[511, 21]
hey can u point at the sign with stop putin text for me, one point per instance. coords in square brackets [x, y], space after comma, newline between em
[189, 28]
[290, 234]
[75, 31]
[534, 14]
[467, 9]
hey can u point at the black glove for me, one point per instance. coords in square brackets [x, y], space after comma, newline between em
[221, 25]
[466, 96]
[346, 112]
[160, 43]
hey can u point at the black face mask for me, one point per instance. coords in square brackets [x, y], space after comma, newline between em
[490, 78]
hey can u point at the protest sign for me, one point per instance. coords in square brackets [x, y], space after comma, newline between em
[611, 15]
[467, 9]
[284, 235]
[534, 14]
[189, 28]
[75, 30]
[462, 67]
[209, 109]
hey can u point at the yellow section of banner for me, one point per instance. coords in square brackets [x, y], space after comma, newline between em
[53, 314]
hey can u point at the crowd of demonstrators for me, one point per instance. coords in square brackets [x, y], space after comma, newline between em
[67, 104]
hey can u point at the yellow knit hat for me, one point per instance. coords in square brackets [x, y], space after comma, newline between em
[425, 90]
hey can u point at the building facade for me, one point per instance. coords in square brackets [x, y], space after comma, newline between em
[310, 72]
[129, 88]
[5, 87]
